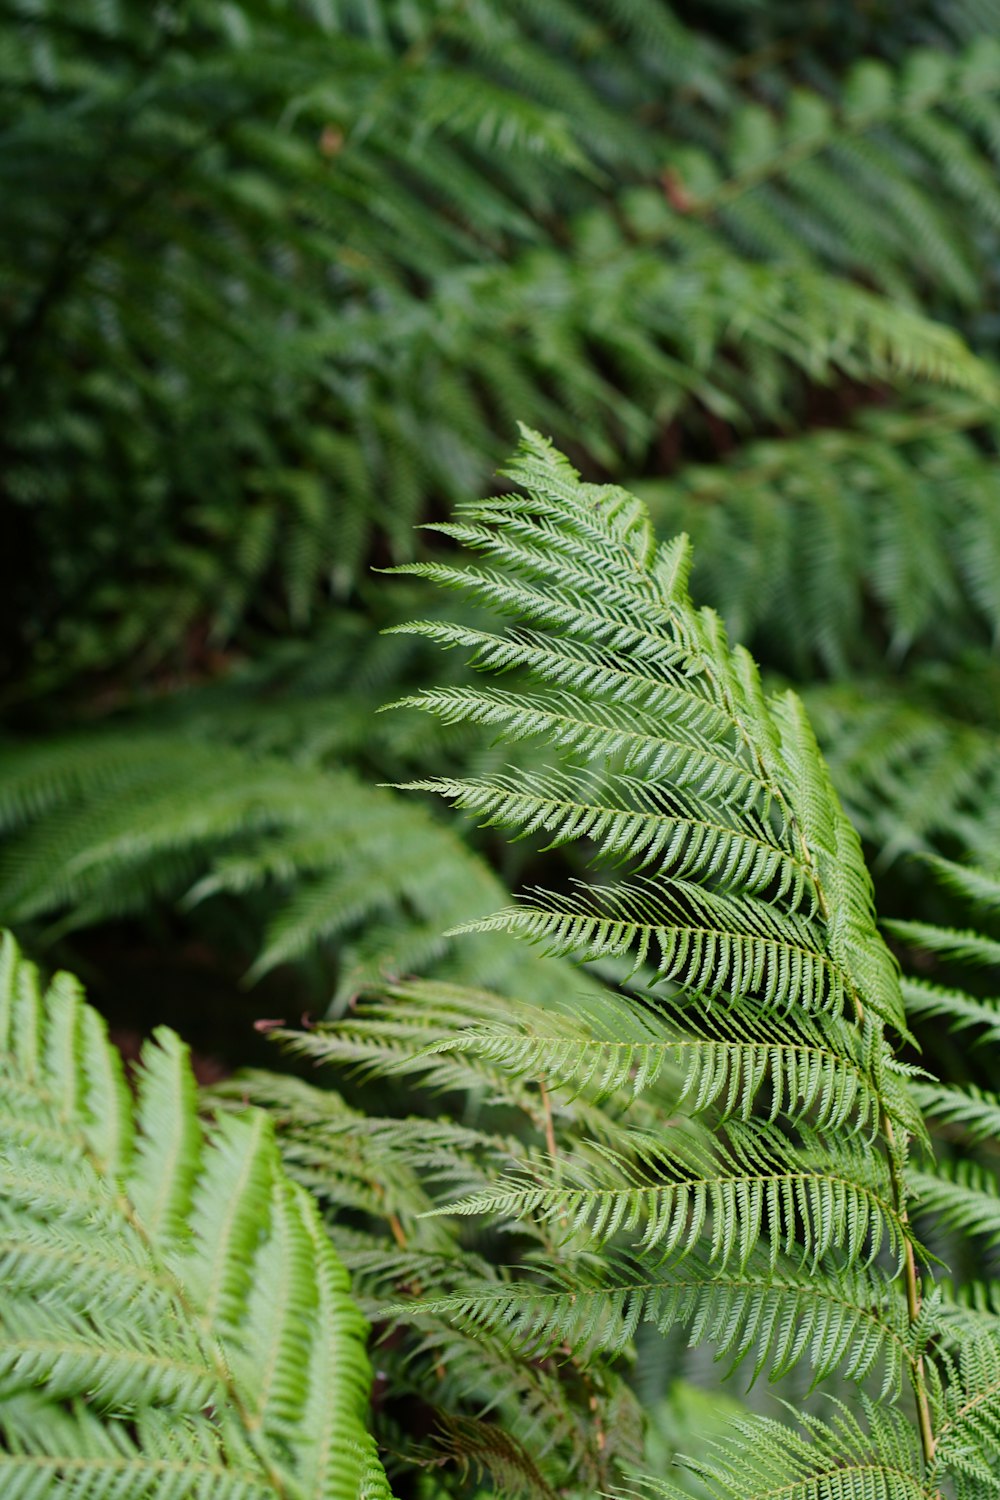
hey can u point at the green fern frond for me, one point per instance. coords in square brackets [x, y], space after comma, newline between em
[978, 886]
[896, 152]
[975, 1110]
[762, 1460]
[823, 1077]
[98, 827]
[969, 1434]
[961, 1195]
[912, 777]
[835, 547]
[771, 1318]
[679, 710]
[173, 1313]
[959, 1009]
[965, 947]
[756, 1186]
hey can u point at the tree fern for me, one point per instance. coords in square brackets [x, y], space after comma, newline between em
[662, 713]
[175, 1320]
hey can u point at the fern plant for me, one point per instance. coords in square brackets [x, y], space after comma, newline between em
[730, 1143]
[283, 293]
[174, 1319]
[765, 1193]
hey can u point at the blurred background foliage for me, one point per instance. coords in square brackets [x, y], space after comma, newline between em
[278, 277]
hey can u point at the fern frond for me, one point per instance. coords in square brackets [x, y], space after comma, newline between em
[978, 886]
[896, 154]
[959, 1009]
[835, 547]
[973, 1109]
[824, 1078]
[645, 824]
[773, 1318]
[913, 777]
[762, 1459]
[969, 1434]
[99, 826]
[965, 947]
[961, 1195]
[711, 736]
[173, 1312]
[756, 1186]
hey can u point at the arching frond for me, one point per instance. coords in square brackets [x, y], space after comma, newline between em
[961, 1195]
[841, 547]
[98, 827]
[756, 1187]
[824, 1078]
[958, 1008]
[975, 1110]
[969, 1434]
[965, 947]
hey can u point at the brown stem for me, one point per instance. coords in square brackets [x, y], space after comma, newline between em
[911, 1278]
[550, 1135]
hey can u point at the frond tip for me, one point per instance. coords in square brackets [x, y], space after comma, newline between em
[174, 1318]
[741, 876]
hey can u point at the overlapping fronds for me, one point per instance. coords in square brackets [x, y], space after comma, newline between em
[275, 282]
[728, 1291]
[175, 1320]
[383, 1181]
[744, 888]
[292, 279]
[779, 1231]
[755, 1186]
[769, 1320]
[612, 1048]
[878, 179]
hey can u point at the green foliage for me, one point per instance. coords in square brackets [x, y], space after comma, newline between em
[278, 278]
[175, 1321]
[284, 278]
[831, 549]
[326, 867]
[728, 1147]
[725, 1149]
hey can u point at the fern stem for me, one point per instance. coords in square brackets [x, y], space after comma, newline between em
[550, 1134]
[911, 1277]
[910, 1273]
